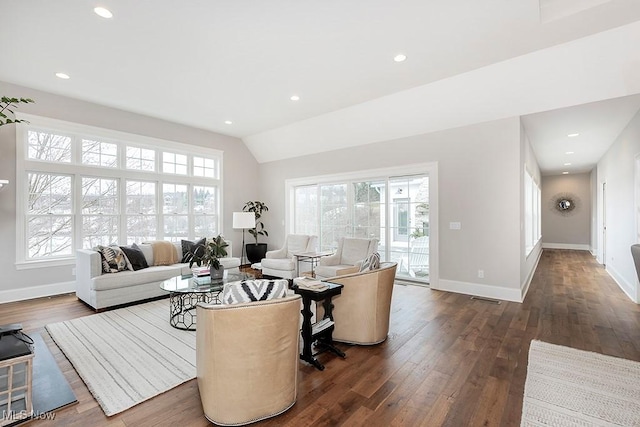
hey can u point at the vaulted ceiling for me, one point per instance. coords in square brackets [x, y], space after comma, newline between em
[207, 62]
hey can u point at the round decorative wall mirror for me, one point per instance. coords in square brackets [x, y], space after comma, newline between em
[565, 204]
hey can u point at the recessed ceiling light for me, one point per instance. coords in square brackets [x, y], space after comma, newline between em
[400, 57]
[63, 76]
[569, 152]
[295, 98]
[105, 13]
[567, 164]
[565, 173]
[228, 122]
[573, 135]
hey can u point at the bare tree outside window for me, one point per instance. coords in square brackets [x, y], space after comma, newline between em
[49, 215]
[99, 211]
[80, 193]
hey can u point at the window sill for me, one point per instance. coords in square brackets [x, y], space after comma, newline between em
[28, 265]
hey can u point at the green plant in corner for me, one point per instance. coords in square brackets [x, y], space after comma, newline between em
[258, 208]
[210, 253]
[7, 105]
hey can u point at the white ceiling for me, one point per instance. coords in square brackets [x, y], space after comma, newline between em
[202, 62]
[598, 125]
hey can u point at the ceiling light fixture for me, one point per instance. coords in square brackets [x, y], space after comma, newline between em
[63, 76]
[565, 173]
[295, 98]
[569, 152]
[105, 13]
[573, 135]
[400, 57]
[567, 164]
[228, 122]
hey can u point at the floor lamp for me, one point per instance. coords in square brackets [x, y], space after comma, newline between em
[244, 220]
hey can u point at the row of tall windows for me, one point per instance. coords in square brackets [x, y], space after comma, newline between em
[88, 187]
[532, 212]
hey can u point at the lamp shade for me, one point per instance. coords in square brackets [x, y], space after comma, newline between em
[244, 220]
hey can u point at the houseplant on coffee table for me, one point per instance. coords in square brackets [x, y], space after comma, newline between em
[256, 251]
[209, 255]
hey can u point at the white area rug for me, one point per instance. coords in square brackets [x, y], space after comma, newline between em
[569, 387]
[128, 355]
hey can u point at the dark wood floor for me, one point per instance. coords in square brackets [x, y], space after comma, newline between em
[449, 360]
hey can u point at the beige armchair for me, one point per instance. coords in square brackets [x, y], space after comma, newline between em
[247, 359]
[363, 308]
[281, 262]
[348, 257]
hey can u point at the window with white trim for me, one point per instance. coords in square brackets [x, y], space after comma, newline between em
[49, 215]
[174, 163]
[141, 211]
[142, 159]
[98, 153]
[532, 212]
[86, 186]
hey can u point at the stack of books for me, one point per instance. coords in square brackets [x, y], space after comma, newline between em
[202, 280]
[310, 284]
[200, 271]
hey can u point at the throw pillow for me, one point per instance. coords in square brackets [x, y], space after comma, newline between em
[105, 264]
[254, 290]
[135, 256]
[372, 262]
[189, 249]
[114, 259]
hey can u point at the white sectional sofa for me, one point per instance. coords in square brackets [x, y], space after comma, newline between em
[102, 290]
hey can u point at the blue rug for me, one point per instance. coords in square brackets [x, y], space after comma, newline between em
[51, 391]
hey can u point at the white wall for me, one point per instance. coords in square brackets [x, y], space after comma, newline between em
[573, 230]
[479, 172]
[617, 169]
[239, 180]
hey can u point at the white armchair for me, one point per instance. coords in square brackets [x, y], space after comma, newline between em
[281, 262]
[348, 257]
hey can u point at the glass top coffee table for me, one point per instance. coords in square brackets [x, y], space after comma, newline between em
[186, 291]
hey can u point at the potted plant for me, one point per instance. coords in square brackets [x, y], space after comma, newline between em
[209, 256]
[7, 105]
[256, 251]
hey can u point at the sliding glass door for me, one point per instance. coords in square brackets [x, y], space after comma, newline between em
[394, 210]
[409, 226]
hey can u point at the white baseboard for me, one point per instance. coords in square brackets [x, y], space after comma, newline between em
[524, 288]
[31, 292]
[626, 287]
[571, 246]
[479, 290]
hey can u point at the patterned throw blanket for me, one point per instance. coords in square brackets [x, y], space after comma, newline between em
[164, 253]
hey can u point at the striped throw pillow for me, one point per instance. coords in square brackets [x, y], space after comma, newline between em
[254, 290]
[372, 262]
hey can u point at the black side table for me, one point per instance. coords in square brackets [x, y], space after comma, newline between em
[322, 331]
